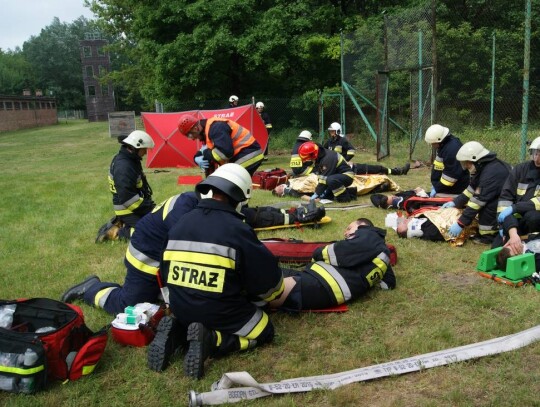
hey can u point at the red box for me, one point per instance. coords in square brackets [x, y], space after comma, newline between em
[269, 179]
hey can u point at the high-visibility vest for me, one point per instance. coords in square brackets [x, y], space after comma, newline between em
[241, 137]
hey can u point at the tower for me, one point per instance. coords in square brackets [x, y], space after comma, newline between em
[96, 64]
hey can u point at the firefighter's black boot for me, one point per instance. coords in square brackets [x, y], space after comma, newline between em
[202, 345]
[77, 291]
[309, 213]
[170, 339]
[401, 171]
[109, 231]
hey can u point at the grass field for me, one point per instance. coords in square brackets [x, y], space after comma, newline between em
[54, 198]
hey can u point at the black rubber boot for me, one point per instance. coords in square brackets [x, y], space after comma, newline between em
[170, 339]
[309, 213]
[202, 344]
[401, 171]
[77, 291]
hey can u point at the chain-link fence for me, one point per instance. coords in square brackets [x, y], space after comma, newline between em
[468, 79]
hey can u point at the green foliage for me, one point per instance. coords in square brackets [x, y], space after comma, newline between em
[55, 59]
[15, 73]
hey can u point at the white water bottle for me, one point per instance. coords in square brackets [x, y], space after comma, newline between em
[26, 385]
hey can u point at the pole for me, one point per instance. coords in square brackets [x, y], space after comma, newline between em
[420, 79]
[492, 83]
[526, 67]
[342, 97]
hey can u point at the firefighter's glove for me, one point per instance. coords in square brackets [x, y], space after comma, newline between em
[504, 213]
[201, 162]
[449, 204]
[433, 192]
[455, 230]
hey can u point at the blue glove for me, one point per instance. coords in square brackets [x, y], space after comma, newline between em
[449, 204]
[433, 192]
[201, 162]
[504, 213]
[455, 230]
[314, 196]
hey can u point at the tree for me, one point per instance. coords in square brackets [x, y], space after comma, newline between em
[15, 73]
[54, 55]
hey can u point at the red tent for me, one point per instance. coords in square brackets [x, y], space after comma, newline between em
[174, 150]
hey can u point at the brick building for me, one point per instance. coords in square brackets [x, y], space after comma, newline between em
[95, 64]
[23, 112]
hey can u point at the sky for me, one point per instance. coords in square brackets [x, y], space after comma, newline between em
[20, 19]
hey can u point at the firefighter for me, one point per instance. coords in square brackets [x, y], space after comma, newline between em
[341, 271]
[142, 259]
[520, 197]
[233, 101]
[447, 175]
[226, 141]
[267, 123]
[298, 167]
[131, 193]
[333, 172]
[219, 274]
[488, 175]
[339, 143]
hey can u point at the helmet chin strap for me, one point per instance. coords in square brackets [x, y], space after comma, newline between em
[240, 205]
[208, 195]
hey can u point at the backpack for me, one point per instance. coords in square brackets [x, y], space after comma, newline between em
[42, 340]
[269, 179]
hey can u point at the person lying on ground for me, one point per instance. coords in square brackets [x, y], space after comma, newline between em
[340, 272]
[434, 225]
[515, 246]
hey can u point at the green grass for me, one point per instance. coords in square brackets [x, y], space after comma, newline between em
[54, 198]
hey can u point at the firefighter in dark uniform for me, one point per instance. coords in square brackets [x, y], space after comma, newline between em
[341, 272]
[226, 141]
[142, 260]
[447, 175]
[265, 117]
[131, 193]
[219, 274]
[339, 143]
[520, 196]
[488, 175]
[298, 167]
[334, 174]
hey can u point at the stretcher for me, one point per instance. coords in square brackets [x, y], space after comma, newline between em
[519, 269]
[298, 251]
[326, 219]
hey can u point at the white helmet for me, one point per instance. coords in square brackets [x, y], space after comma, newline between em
[305, 135]
[436, 133]
[535, 145]
[139, 139]
[259, 104]
[233, 98]
[471, 151]
[336, 127]
[231, 179]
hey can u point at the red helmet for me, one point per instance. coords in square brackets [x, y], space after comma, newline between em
[186, 123]
[308, 151]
